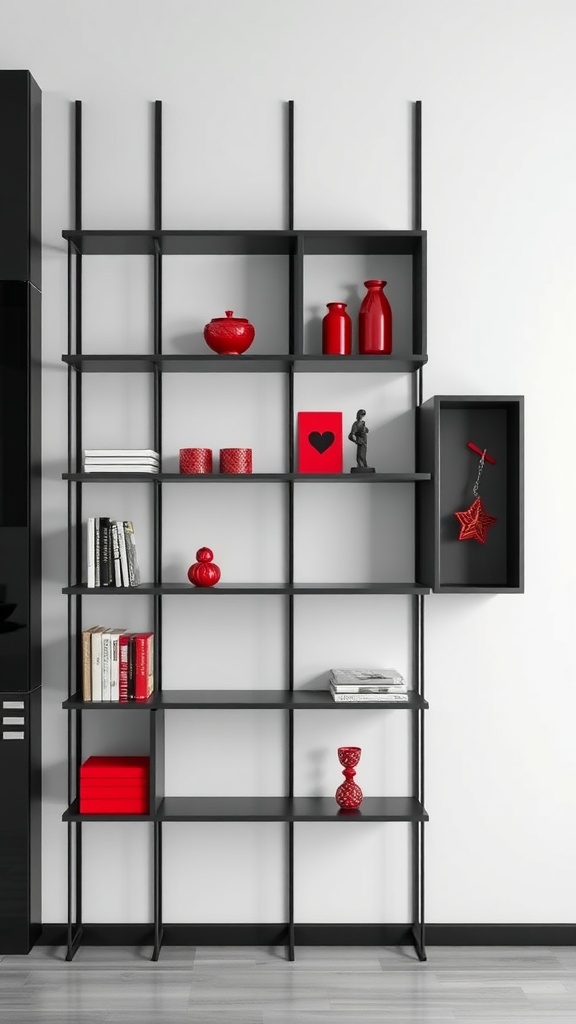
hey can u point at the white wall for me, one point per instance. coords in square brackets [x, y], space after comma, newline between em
[496, 80]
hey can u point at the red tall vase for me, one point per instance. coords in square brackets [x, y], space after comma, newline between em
[336, 330]
[375, 321]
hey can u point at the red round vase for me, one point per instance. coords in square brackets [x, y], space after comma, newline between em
[235, 460]
[195, 460]
[349, 796]
[204, 572]
[229, 335]
[375, 321]
[336, 330]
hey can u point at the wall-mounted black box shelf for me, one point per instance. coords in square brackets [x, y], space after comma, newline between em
[446, 423]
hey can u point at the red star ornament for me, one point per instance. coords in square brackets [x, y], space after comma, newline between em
[475, 522]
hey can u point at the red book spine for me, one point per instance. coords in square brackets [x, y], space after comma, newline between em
[143, 669]
[123, 642]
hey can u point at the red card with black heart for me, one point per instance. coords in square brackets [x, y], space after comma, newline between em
[320, 442]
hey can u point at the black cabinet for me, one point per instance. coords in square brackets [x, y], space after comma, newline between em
[446, 426]
[20, 513]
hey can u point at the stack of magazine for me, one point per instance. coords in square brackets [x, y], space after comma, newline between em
[367, 685]
[121, 460]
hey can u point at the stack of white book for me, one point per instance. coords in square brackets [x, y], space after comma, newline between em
[367, 685]
[121, 460]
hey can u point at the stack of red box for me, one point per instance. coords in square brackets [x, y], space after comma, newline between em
[115, 785]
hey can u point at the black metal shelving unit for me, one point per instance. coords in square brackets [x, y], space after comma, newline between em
[289, 809]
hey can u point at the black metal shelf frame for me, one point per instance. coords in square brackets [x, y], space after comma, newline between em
[295, 244]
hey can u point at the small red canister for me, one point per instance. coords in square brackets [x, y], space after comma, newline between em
[195, 460]
[235, 460]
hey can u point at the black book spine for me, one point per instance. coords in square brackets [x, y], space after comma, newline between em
[106, 563]
[97, 576]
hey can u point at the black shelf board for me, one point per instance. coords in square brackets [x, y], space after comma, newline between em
[359, 364]
[359, 478]
[298, 700]
[181, 243]
[173, 478]
[106, 363]
[252, 588]
[496, 588]
[362, 243]
[358, 588]
[251, 362]
[247, 363]
[274, 808]
[82, 590]
[286, 809]
[242, 243]
[203, 363]
[73, 814]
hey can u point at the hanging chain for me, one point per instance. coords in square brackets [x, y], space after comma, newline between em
[480, 468]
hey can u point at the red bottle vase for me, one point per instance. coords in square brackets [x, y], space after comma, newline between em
[204, 572]
[349, 796]
[336, 330]
[375, 321]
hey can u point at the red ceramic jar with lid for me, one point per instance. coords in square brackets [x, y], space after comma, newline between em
[229, 335]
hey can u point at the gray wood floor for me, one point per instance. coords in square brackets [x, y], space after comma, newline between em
[248, 985]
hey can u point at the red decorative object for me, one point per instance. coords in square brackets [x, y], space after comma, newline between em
[229, 335]
[375, 321]
[320, 442]
[204, 572]
[475, 522]
[349, 796]
[195, 460]
[336, 330]
[235, 460]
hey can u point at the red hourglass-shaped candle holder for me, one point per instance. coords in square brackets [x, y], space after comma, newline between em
[349, 796]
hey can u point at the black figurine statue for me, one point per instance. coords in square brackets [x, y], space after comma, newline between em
[359, 435]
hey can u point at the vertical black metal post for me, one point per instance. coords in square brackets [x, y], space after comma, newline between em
[158, 929]
[75, 547]
[294, 314]
[417, 175]
[418, 613]
[290, 167]
[157, 512]
[70, 600]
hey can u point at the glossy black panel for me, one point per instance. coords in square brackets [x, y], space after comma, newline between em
[20, 177]
[13, 404]
[20, 499]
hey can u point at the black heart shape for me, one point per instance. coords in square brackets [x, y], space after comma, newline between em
[321, 442]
